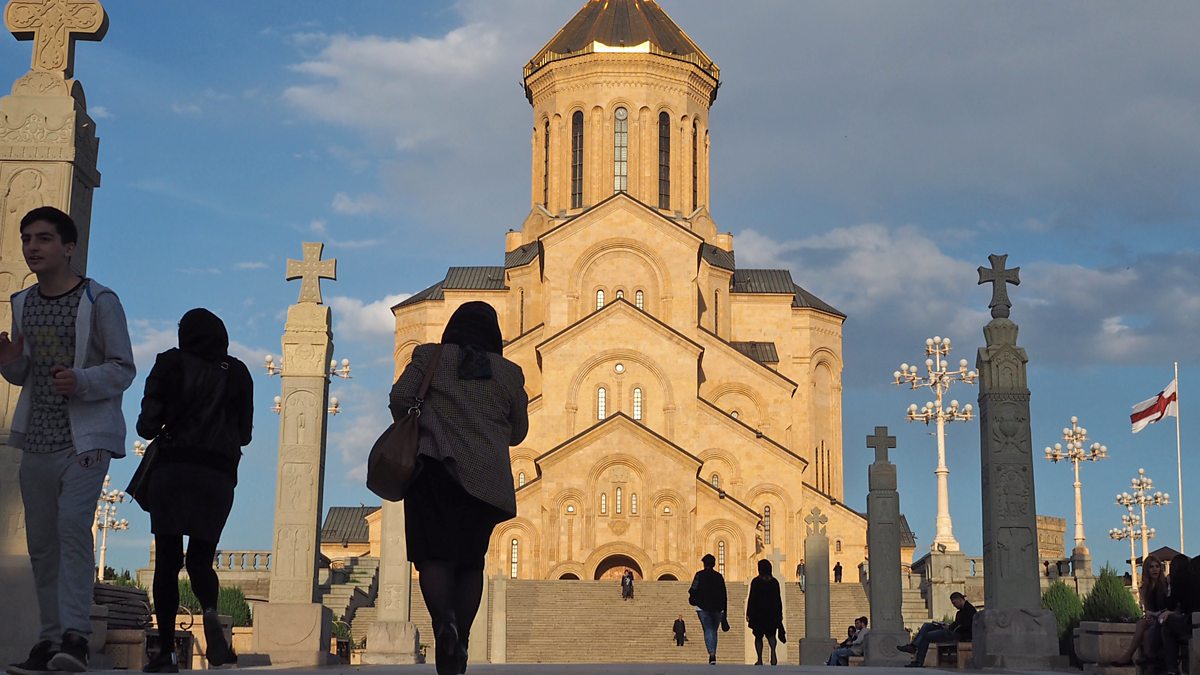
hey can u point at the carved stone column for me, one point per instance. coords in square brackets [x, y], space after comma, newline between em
[393, 639]
[1013, 632]
[883, 541]
[817, 643]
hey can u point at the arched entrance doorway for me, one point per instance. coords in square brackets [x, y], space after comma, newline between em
[667, 577]
[569, 576]
[612, 567]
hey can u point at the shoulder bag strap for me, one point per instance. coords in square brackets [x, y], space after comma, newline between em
[428, 379]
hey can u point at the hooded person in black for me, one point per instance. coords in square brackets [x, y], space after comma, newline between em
[198, 408]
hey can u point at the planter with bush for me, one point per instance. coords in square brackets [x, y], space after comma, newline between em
[1110, 615]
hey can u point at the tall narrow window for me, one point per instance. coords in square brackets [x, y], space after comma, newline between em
[633, 503]
[577, 159]
[695, 165]
[716, 311]
[664, 161]
[620, 294]
[546, 165]
[637, 403]
[720, 557]
[716, 481]
[766, 524]
[640, 299]
[601, 403]
[513, 557]
[837, 546]
[521, 479]
[604, 503]
[620, 501]
[521, 314]
[600, 299]
[621, 151]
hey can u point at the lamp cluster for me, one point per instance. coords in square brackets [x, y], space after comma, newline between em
[1076, 436]
[106, 520]
[1142, 495]
[938, 377]
[1131, 528]
[336, 369]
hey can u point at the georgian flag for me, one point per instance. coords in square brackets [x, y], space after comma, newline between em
[1166, 404]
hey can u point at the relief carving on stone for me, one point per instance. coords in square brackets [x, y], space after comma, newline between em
[299, 484]
[1010, 430]
[1012, 544]
[293, 553]
[39, 83]
[1013, 487]
[25, 191]
[300, 417]
[36, 128]
[54, 26]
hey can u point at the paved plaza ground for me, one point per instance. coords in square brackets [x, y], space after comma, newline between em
[596, 669]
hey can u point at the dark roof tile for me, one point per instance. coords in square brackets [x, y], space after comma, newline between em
[521, 256]
[347, 525]
[484, 278]
[717, 257]
[763, 352]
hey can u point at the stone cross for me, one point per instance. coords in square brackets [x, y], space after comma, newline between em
[310, 271]
[777, 559]
[881, 442]
[817, 643]
[816, 521]
[999, 278]
[54, 26]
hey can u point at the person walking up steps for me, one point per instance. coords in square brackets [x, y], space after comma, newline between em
[199, 409]
[764, 611]
[707, 594]
[70, 353]
[476, 407]
[680, 631]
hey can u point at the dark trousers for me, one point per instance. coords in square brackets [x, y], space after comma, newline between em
[931, 633]
[1175, 631]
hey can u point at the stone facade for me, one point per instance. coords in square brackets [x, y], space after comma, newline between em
[679, 405]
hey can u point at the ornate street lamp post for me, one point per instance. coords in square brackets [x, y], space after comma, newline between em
[1074, 452]
[1131, 528]
[1142, 497]
[106, 520]
[938, 379]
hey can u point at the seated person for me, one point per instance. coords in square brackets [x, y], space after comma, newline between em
[851, 630]
[841, 655]
[1175, 625]
[937, 632]
[1153, 594]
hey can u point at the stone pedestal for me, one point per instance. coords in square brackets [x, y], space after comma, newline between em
[883, 541]
[394, 639]
[392, 643]
[126, 648]
[817, 642]
[294, 634]
[1016, 639]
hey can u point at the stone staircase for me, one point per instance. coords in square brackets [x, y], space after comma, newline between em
[913, 609]
[358, 591]
[847, 602]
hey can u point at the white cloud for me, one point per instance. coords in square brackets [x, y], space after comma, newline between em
[152, 337]
[356, 206]
[99, 112]
[186, 109]
[318, 227]
[254, 265]
[365, 415]
[364, 320]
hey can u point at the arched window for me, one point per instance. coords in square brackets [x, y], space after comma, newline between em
[735, 414]
[621, 151]
[837, 546]
[716, 481]
[720, 557]
[664, 161]
[546, 165]
[577, 159]
[521, 314]
[620, 294]
[716, 310]
[620, 501]
[521, 479]
[570, 508]
[695, 165]
[513, 558]
[767, 525]
[601, 403]
[633, 503]
[639, 299]
[600, 299]
[637, 403]
[604, 503]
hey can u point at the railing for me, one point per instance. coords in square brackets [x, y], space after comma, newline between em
[242, 561]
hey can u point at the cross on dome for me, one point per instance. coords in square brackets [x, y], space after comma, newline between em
[999, 278]
[310, 271]
[54, 26]
[881, 441]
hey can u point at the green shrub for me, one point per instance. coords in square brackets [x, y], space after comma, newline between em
[187, 597]
[1064, 601]
[232, 602]
[1110, 600]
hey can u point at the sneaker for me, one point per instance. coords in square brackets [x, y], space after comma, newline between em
[163, 662]
[73, 655]
[910, 649]
[217, 650]
[712, 659]
[38, 661]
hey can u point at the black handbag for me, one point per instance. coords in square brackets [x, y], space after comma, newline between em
[393, 458]
[139, 485]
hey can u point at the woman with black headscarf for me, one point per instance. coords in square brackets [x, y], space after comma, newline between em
[198, 407]
[476, 407]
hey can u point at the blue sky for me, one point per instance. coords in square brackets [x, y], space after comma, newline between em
[879, 150]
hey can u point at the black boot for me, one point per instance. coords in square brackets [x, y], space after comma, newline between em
[446, 649]
[217, 651]
[38, 661]
[163, 662]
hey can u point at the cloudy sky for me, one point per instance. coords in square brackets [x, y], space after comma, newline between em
[879, 150]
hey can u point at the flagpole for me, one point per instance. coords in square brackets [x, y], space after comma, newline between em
[1179, 457]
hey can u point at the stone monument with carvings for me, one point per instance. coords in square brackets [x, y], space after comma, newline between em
[817, 643]
[883, 541]
[1013, 631]
[393, 638]
[294, 628]
[48, 149]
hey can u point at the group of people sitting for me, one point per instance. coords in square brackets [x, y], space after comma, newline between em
[1168, 602]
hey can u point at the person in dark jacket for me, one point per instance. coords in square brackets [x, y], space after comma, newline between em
[1153, 594]
[764, 610]
[199, 409]
[680, 631]
[475, 409]
[937, 632]
[708, 595]
[1175, 626]
[837, 572]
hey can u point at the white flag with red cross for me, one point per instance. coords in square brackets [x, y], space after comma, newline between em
[1166, 404]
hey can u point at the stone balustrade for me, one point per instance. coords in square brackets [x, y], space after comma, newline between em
[242, 561]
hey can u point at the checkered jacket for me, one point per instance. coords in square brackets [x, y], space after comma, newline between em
[472, 422]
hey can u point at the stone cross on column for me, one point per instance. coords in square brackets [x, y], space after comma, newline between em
[1013, 632]
[777, 559]
[999, 278]
[883, 541]
[817, 642]
[54, 26]
[310, 271]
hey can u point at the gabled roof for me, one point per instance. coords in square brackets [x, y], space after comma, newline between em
[434, 292]
[522, 255]
[907, 538]
[611, 307]
[722, 494]
[622, 196]
[347, 525]
[620, 418]
[779, 281]
[763, 352]
[805, 299]
[717, 257]
[478, 278]
[746, 428]
[761, 366]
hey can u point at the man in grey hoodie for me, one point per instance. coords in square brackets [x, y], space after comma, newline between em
[70, 353]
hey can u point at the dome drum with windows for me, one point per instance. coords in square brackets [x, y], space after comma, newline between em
[679, 404]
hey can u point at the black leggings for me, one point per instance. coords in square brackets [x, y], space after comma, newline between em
[168, 561]
[452, 594]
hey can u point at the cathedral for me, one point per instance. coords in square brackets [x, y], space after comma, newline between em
[679, 404]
